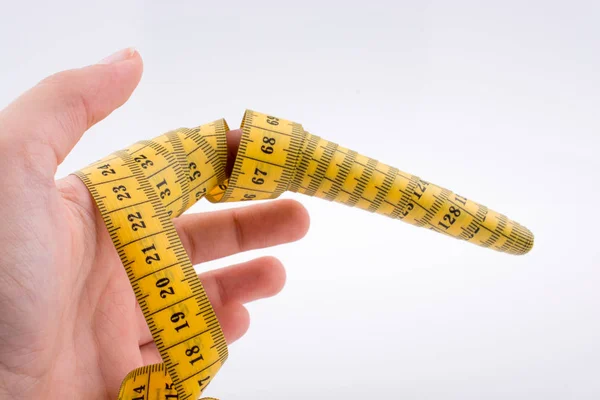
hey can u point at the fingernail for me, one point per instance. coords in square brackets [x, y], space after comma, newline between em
[120, 55]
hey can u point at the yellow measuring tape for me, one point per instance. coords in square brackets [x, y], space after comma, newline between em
[140, 189]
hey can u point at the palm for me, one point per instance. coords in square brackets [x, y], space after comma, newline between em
[70, 326]
[107, 322]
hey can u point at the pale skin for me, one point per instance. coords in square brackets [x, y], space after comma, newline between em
[70, 326]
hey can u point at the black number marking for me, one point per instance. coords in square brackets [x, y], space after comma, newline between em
[139, 223]
[267, 149]
[272, 120]
[165, 192]
[201, 381]
[186, 325]
[247, 197]
[450, 217]
[153, 257]
[196, 174]
[163, 282]
[139, 390]
[258, 181]
[194, 350]
[170, 387]
[269, 141]
[200, 193]
[176, 318]
[107, 170]
[121, 196]
[409, 208]
[422, 187]
[143, 161]
[460, 199]
[455, 211]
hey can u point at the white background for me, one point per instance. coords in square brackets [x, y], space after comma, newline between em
[498, 101]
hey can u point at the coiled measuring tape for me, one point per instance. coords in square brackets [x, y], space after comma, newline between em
[140, 189]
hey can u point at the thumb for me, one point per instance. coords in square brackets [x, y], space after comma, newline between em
[49, 119]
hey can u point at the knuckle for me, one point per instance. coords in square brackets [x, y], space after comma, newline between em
[239, 231]
[33, 158]
[58, 80]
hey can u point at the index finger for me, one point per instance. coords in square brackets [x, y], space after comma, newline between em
[209, 236]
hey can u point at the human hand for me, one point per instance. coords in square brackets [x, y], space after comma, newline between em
[70, 326]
